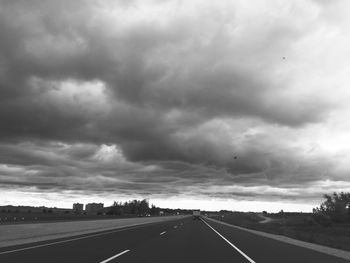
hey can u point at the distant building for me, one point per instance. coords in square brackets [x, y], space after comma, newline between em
[78, 208]
[93, 208]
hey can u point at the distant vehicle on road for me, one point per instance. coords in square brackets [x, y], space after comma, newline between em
[196, 214]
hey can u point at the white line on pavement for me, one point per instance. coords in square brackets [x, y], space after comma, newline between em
[115, 256]
[69, 240]
[162, 233]
[232, 245]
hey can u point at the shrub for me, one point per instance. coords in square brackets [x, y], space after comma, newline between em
[336, 207]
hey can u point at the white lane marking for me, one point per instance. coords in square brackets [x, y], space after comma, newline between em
[162, 233]
[70, 240]
[175, 226]
[115, 256]
[232, 245]
[78, 238]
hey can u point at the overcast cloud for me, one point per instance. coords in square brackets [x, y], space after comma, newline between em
[224, 100]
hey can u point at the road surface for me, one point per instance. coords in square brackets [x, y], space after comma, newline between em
[183, 240]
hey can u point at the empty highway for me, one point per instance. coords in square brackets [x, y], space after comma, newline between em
[183, 240]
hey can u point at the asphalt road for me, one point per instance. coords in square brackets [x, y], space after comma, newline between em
[184, 240]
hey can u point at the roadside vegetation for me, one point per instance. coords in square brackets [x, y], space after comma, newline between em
[132, 208]
[328, 225]
[142, 208]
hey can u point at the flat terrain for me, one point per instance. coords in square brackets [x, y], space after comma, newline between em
[299, 226]
[25, 217]
[180, 240]
[15, 234]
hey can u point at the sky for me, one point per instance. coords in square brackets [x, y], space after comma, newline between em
[190, 104]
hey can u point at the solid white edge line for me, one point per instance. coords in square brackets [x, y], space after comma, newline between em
[74, 239]
[232, 245]
[105, 232]
[115, 256]
[162, 233]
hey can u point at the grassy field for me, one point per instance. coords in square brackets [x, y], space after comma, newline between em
[299, 226]
[25, 217]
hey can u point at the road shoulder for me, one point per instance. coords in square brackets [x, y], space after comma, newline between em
[11, 235]
[323, 249]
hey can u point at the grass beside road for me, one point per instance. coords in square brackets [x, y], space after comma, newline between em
[299, 226]
[23, 217]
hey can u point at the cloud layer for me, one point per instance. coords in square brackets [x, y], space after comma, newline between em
[169, 98]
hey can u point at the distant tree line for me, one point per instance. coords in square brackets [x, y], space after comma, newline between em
[336, 208]
[134, 207]
[141, 208]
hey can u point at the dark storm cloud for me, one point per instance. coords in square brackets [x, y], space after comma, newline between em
[81, 167]
[139, 64]
[175, 95]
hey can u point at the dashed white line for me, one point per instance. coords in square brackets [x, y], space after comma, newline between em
[71, 239]
[175, 226]
[115, 256]
[232, 245]
[162, 233]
